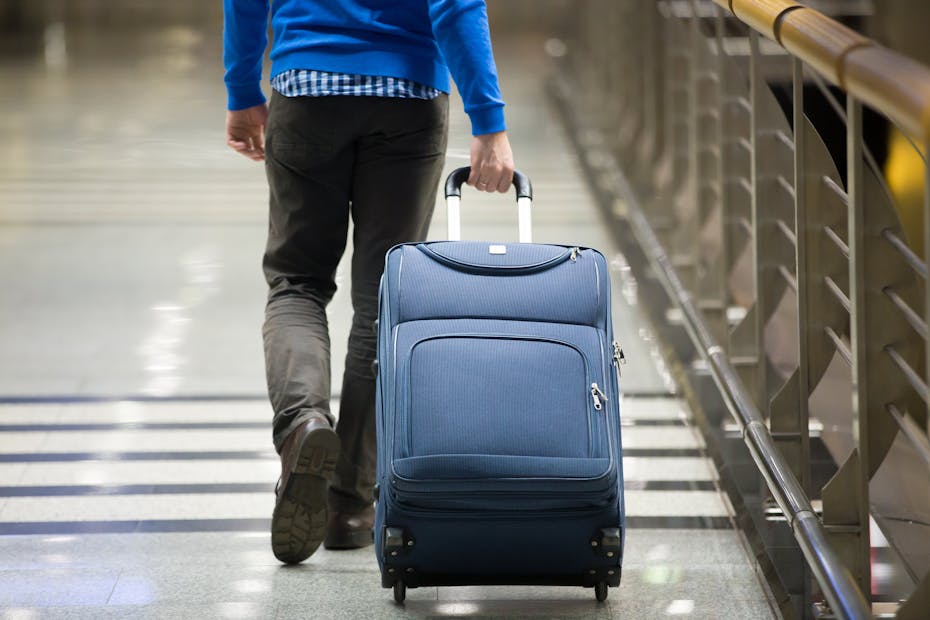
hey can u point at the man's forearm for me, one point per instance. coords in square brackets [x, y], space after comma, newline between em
[461, 29]
[245, 35]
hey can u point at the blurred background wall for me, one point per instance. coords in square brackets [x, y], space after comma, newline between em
[31, 15]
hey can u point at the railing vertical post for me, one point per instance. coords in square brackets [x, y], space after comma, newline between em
[802, 229]
[727, 257]
[705, 147]
[858, 325]
[650, 86]
[610, 61]
[692, 199]
[759, 388]
[672, 71]
[926, 232]
[679, 66]
[633, 20]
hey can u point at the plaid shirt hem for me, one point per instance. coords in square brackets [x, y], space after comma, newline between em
[310, 83]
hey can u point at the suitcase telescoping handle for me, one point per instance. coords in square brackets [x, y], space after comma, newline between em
[454, 200]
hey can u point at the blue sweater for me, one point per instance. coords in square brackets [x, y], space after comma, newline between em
[413, 39]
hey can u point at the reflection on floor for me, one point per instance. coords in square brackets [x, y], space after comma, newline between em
[136, 468]
[154, 509]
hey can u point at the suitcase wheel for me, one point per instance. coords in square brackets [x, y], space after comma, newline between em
[400, 591]
[600, 591]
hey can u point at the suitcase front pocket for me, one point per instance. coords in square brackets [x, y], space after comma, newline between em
[496, 395]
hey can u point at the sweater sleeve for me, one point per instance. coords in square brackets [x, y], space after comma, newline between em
[245, 36]
[464, 37]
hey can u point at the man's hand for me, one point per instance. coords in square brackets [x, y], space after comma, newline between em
[491, 162]
[245, 131]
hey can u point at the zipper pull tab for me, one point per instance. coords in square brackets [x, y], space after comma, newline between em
[597, 395]
[619, 357]
[574, 256]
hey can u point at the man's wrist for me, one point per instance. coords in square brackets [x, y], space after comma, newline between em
[487, 120]
[244, 96]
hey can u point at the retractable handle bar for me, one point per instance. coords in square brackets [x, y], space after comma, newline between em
[524, 190]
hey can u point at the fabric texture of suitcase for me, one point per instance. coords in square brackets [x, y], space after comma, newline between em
[499, 452]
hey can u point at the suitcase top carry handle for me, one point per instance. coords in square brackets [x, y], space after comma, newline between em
[454, 184]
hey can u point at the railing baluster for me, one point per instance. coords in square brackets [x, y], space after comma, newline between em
[859, 341]
[926, 233]
[802, 234]
[756, 84]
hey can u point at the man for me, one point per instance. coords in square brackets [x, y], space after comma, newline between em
[356, 128]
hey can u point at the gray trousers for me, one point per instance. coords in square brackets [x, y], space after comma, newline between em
[377, 160]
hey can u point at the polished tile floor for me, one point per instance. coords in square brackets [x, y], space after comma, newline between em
[136, 469]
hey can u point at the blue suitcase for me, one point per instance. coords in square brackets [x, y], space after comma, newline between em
[499, 455]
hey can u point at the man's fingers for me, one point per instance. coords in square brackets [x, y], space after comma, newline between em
[245, 131]
[505, 182]
[258, 147]
[485, 177]
[494, 180]
[479, 179]
[247, 148]
[258, 141]
[490, 182]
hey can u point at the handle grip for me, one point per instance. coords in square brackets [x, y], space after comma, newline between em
[454, 184]
[459, 176]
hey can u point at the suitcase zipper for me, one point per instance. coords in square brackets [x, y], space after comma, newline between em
[619, 360]
[568, 254]
[490, 515]
[597, 396]
[600, 501]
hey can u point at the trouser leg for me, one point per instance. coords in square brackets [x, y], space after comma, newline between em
[309, 160]
[397, 172]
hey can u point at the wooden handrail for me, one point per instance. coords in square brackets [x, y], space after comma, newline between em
[821, 42]
[762, 15]
[892, 83]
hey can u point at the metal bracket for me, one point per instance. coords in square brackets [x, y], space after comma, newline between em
[607, 543]
[395, 542]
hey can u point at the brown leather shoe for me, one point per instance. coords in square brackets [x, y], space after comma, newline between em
[308, 460]
[350, 530]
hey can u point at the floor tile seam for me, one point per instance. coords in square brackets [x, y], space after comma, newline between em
[188, 487]
[209, 488]
[373, 571]
[244, 455]
[59, 446]
[171, 221]
[262, 494]
[116, 583]
[741, 567]
[24, 470]
[117, 422]
[647, 422]
[78, 399]
[126, 427]
[80, 418]
[214, 525]
[639, 569]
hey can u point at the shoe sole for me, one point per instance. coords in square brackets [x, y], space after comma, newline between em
[298, 524]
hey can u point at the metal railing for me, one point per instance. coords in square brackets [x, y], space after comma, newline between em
[739, 202]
